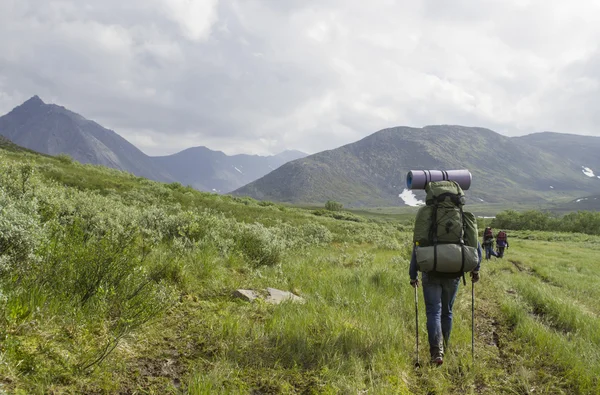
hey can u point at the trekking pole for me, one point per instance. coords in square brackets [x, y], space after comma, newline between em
[417, 364]
[473, 321]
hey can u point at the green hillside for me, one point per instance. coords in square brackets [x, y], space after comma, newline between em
[371, 172]
[113, 284]
[578, 150]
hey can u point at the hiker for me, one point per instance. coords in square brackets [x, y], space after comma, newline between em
[488, 243]
[439, 293]
[444, 260]
[501, 243]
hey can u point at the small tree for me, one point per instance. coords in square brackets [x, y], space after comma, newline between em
[332, 205]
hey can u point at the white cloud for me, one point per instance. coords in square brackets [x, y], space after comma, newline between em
[194, 17]
[263, 76]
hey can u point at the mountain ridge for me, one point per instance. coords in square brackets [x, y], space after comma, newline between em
[371, 171]
[53, 129]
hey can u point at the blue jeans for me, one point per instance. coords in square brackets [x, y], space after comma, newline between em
[489, 251]
[439, 294]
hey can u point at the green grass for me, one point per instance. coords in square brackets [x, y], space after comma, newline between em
[536, 324]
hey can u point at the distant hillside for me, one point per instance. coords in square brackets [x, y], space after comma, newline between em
[208, 170]
[52, 129]
[581, 152]
[9, 145]
[585, 203]
[372, 171]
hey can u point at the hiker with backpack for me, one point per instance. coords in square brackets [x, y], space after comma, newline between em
[488, 243]
[445, 248]
[501, 243]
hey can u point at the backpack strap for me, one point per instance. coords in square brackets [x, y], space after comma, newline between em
[462, 241]
[433, 235]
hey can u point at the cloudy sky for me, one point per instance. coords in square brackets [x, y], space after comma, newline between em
[261, 76]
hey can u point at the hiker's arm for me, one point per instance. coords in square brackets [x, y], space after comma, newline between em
[412, 271]
[479, 253]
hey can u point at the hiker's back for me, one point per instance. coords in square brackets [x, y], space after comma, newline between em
[488, 236]
[502, 239]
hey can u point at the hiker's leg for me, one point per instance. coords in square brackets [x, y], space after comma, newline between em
[489, 251]
[432, 293]
[449, 290]
[493, 252]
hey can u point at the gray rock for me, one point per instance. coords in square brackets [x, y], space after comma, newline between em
[277, 296]
[246, 294]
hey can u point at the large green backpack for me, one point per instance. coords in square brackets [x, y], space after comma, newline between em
[445, 236]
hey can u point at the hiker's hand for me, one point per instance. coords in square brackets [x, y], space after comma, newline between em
[414, 283]
[474, 276]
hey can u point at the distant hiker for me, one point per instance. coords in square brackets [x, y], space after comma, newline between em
[501, 243]
[445, 247]
[488, 243]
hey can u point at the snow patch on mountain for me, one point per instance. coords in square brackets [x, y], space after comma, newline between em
[587, 171]
[238, 170]
[409, 198]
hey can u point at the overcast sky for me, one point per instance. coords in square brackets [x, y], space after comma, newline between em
[261, 76]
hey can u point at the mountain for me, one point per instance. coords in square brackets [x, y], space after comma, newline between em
[52, 129]
[587, 203]
[209, 170]
[581, 152]
[372, 171]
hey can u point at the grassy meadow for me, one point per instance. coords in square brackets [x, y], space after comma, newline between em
[113, 284]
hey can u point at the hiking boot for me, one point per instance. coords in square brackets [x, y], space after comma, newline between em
[437, 356]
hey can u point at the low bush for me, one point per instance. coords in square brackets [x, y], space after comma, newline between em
[260, 245]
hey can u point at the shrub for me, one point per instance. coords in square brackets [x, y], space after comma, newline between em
[20, 235]
[581, 221]
[17, 180]
[332, 205]
[316, 234]
[64, 158]
[259, 245]
[101, 277]
[341, 215]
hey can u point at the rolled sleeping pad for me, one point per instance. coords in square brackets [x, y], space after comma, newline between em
[418, 179]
